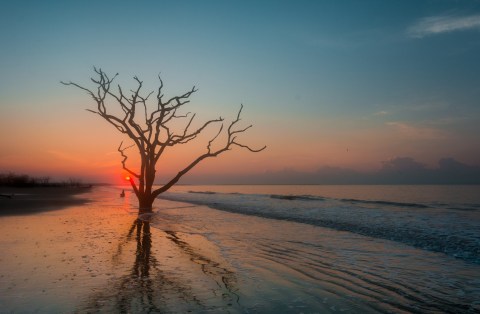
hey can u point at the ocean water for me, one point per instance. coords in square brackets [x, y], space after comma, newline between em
[442, 219]
[326, 249]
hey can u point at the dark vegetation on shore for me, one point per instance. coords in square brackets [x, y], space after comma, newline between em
[21, 194]
[25, 181]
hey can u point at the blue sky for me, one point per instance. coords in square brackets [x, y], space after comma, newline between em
[383, 78]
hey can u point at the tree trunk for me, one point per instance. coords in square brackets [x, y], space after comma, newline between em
[145, 203]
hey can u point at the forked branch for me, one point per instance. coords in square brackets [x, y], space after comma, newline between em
[125, 157]
[231, 140]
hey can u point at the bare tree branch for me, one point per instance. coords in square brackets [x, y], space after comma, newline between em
[209, 153]
[151, 132]
[125, 157]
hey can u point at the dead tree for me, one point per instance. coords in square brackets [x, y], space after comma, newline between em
[151, 131]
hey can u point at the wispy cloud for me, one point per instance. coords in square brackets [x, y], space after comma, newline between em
[443, 24]
[99, 162]
[380, 113]
[66, 156]
[417, 133]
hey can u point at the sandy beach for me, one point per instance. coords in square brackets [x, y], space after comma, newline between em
[101, 257]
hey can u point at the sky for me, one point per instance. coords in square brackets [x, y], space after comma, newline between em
[353, 85]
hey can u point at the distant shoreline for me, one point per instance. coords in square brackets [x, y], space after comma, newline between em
[32, 200]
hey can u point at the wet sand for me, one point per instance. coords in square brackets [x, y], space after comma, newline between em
[99, 257]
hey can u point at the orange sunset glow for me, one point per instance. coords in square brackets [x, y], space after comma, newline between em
[332, 106]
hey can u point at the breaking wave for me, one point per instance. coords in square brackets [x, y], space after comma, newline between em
[452, 229]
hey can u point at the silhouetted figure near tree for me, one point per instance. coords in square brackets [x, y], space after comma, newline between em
[152, 131]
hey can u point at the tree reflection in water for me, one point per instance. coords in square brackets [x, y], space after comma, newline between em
[150, 286]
